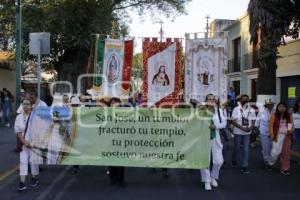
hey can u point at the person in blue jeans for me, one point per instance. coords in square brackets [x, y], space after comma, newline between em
[243, 120]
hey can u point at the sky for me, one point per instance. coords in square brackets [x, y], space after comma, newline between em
[193, 22]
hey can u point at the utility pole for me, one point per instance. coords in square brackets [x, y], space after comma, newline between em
[161, 31]
[207, 26]
[18, 50]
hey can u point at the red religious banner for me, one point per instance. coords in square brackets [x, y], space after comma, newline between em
[128, 57]
[162, 63]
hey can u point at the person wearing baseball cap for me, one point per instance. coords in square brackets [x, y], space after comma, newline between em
[263, 125]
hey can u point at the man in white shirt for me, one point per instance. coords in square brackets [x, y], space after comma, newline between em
[243, 119]
[263, 122]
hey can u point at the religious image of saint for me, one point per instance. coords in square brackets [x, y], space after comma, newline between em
[205, 74]
[161, 78]
[112, 72]
[58, 138]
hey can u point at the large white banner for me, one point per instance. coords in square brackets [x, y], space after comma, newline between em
[205, 67]
[161, 74]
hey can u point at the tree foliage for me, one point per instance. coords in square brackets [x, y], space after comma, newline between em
[73, 23]
[137, 65]
[7, 17]
[275, 19]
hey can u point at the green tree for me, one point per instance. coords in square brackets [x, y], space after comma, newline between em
[274, 19]
[137, 65]
[72, 24]
[7, 17]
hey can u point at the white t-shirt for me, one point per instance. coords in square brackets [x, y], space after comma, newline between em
[238, 113]
[37, 104]
[296, 118]
[20, 125]
[219, 122]
[264, 121]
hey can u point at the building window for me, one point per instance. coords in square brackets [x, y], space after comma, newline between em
[237, 87]
[254, 89]
[237, 55]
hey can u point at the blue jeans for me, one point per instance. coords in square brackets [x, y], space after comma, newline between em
[245, 139]
[297, 139]
[266, 145]
[6, 114]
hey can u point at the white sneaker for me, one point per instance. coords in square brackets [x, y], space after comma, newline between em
[207, 186]
[214, 182]
[7, 125]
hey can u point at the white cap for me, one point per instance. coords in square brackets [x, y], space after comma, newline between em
[75, 101]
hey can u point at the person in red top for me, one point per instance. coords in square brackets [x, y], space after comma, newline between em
[281, 129]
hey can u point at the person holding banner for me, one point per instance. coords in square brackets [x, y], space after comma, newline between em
[21, 125]
[218, 122]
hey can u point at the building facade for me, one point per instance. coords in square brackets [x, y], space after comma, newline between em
[242, 58]
[243, 63]
[288, 72]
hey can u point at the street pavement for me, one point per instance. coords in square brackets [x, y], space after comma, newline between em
[59, 183]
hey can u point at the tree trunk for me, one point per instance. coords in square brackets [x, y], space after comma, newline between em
[267, 64]
[266, 85]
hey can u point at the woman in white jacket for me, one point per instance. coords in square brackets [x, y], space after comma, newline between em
[25, 137]
[210, 177]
